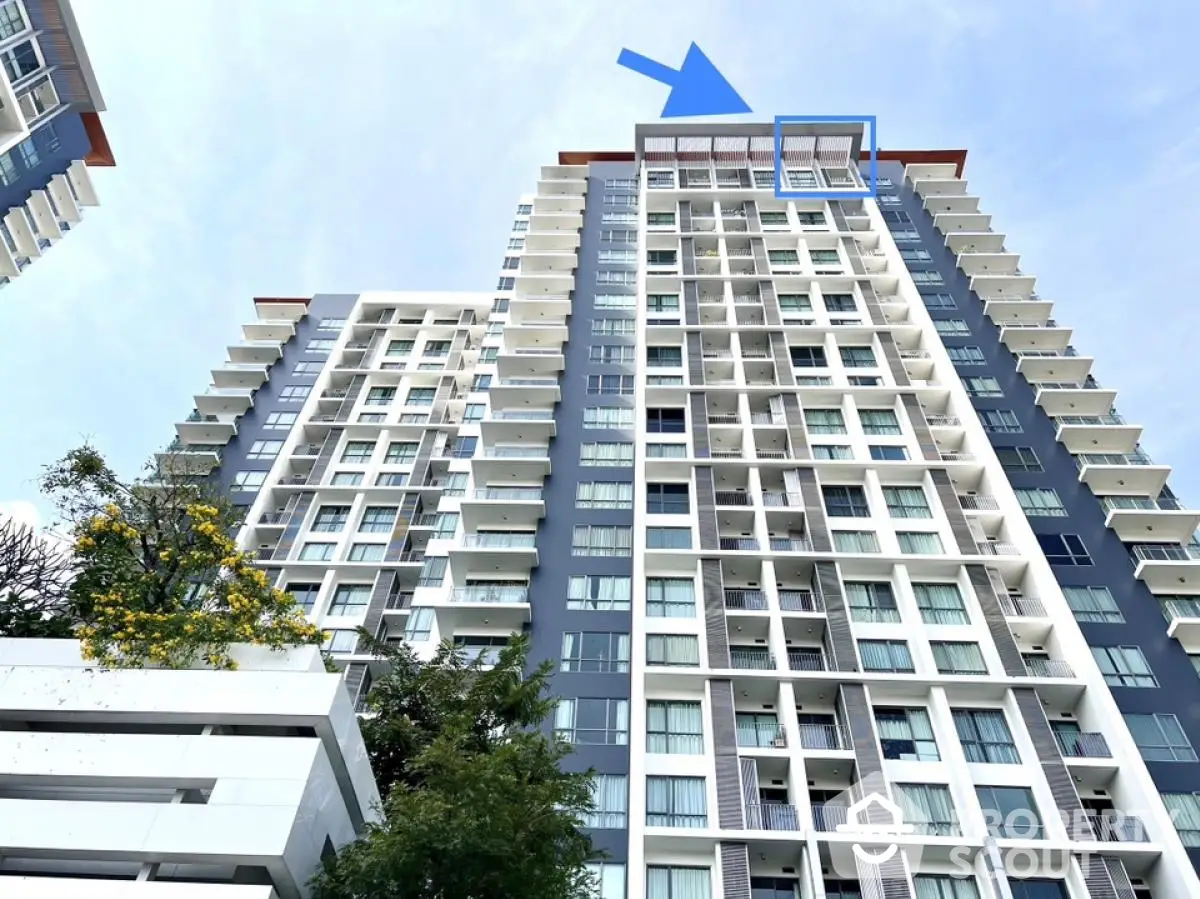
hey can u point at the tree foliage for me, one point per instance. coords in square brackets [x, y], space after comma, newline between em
[159, 579]
[35, 574]
[476, 803]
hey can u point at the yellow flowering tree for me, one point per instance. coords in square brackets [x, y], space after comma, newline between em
[159, 579]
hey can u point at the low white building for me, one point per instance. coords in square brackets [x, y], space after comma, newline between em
[174, 784]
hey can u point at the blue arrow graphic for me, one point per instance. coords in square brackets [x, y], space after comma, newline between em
[696, 89]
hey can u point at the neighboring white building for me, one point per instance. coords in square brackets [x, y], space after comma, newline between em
[161, 784]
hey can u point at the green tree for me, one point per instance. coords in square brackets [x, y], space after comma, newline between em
[158, 578]
[476, 804]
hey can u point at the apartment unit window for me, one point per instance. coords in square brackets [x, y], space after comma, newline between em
[606, 455]
[433, 572]
[610, 794]
[612, 354]
[673, 650]
[614, 327]
[759, 729]
[525, 209]
[919, 543]
[983, 387]
[885, 655]
[280, 421]
[617, 256]
[830, 451]
[1093, 605]
[1000, 421]
[378, 520]
[1019, 459]
[305, 595]
[1124, 666]
[399, 348]
[350, 599]
[445, 526]
[928, 808]
[514, 243]
[872, 602]
[317, 552]
[366, 552]
[599, 593]
[615, 301]
[914, 255]
[664, 882]
[857, 357]
[602, 541]
[1064, 549]
[771, 218]
[905, 734]
[620, 184]
[1160, 738]
[595, 653]
[264, 449]
[1184, 809]
[624, 279]
[660, 219]
[811, 218]
[824, 257]
[343, 641]
[966, 355]
[604, 495]
[330, 519]
[906, 235]
[783, 257]
[666, 450]
[607, 417]
[358, 451]
[380, 396]
[669, 538]
[474, 411]
[618, 218]
[824, 421]
[665, 421]
[505, 283]
[930, 278]
[371, 417]
[618, 235]
[944, 886]
[400, 452]
[662, 302]
[882, 453]
[951, 327]
[610, 385]
[800, 179]
[670, 597]
[661, 257]
[481, 382]
[667, 499]
[1010, 812]
[664, 356]
[958, 658]
[808, 357]
[675, 802]
[985, 737]
[940, 604]
[593, 722]
[896, 218]
[510, 263]
[625, 201]
[906, 502]
[420, 396]
[674, 727]
[855, 542]
[1040, 501]
[845, 502]
[248, 480]
[938, 301]
[879, 422]
[307, 368]
[319, 347]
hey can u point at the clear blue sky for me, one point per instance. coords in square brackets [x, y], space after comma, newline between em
[286, 147]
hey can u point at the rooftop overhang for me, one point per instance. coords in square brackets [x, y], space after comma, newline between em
[803, 144]
[101, 153]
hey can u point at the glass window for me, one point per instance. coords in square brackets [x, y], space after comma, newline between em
[670, 597]
[599, 593]
[885, 655]
[663, 882]
[1184, 809]
[674, 727]
[985, 736]
[983, 387]
[958, 658]
[609, 880]
[944, 886]
[350, 599]
[824, 421]
[1040, 501]
[808, 357]
[330, 519]
[366, 552]
[888, 453]
[1064, 549]
[677, 650]
[857, 357]
[855, 542]
[905, 734]
[676, 802]
[610, 793]
[667, 499]
[1010, 812]
[264, 449]
[248, 480]
[606, 455]
[587, 652]
[928, 809]
[1018, 458]
[907, 502]
[668, 538]
[830, 451]
[602, 540]
[843, 501]
[358, 451]
[604, 495]
[304, 594]
[603, 722]
[317, 552]
[1124, 666]
[1160, 738]
[940, 604]
[378, 519]
[879, 422]
[1093, 604]
[872, 602]
[1000, 421]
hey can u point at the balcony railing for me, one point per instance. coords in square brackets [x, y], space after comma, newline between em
[761, 737]
[516, 452]
[1118, 828]
[738, 543]
[806, 660]
[491, 593]
[732, 498]
[995, 548]
[724, 418]
[745, 600]
[800, 601]
[1139, 503]
[772, 816]
[824, 736]
[1022, 606]
[527, 382]
[1113, 459]
[791, 544]
[307, 449]
[975, 503]
[1048, 668]
[1111, 419]
[1082, 745]
[509, 494]
[1165, 552]
[752, 658]
[827, 818]
[957, 457]
[779, 498]
[523, 415]
[1180, 607]
[499, 541]
[943, 421]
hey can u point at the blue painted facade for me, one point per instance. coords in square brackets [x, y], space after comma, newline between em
[1111, 563]
[48, 152]
[549, 581]
[268, 398]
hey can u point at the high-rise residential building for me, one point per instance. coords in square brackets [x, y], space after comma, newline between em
[50, 130]
[816, 511]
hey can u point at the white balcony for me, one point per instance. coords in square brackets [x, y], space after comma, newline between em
[542, 262]
[21, 227]
[989, 263]
[278, 330]
[521, 392]
[555, 221]
[1020, 336]
[511, 552]
[531, 308]
[940, 184]
[552, 241]
[202, 428]
[518, 426]
[965, 222]
[275, 309]
[44, 217]
[1003, 284]
[975, 242]
[1074, 398]
[496, 507]
[492, 605]
[531, 283]
[556, 204]
[520, 464]
[1141, 518]
[1167, 566]
[923, 171]
[530, 361]
[224, 400]
[1006, 310]
[1110, 474]
[1107, 433]
[1052, 365]
[234, 374]
[68, 207]
[255, 352]
[962, 204]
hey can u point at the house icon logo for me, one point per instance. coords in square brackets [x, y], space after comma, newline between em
[888, 822]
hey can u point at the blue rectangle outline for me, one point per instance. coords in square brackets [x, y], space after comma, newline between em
[870, 193]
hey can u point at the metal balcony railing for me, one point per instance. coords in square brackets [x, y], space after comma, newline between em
[791, 544]
[976, 503]
[499, 541]
[751, 658]
[1048, 668]
[748, 544]
[1110, 419]
[513, 595]
[1113, 459]
[824, 736]
[1165, 552]
[761, 737]
[800, 601]
[307, 449]
[1082, 745]
[1022, 606]
[772, 816]
[1139, 503]
[745, 600]
[1118, 828]
[732, 498]
[996, 548]
[778, 498]
[806, 660]
[516, 452]
[508, 494]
